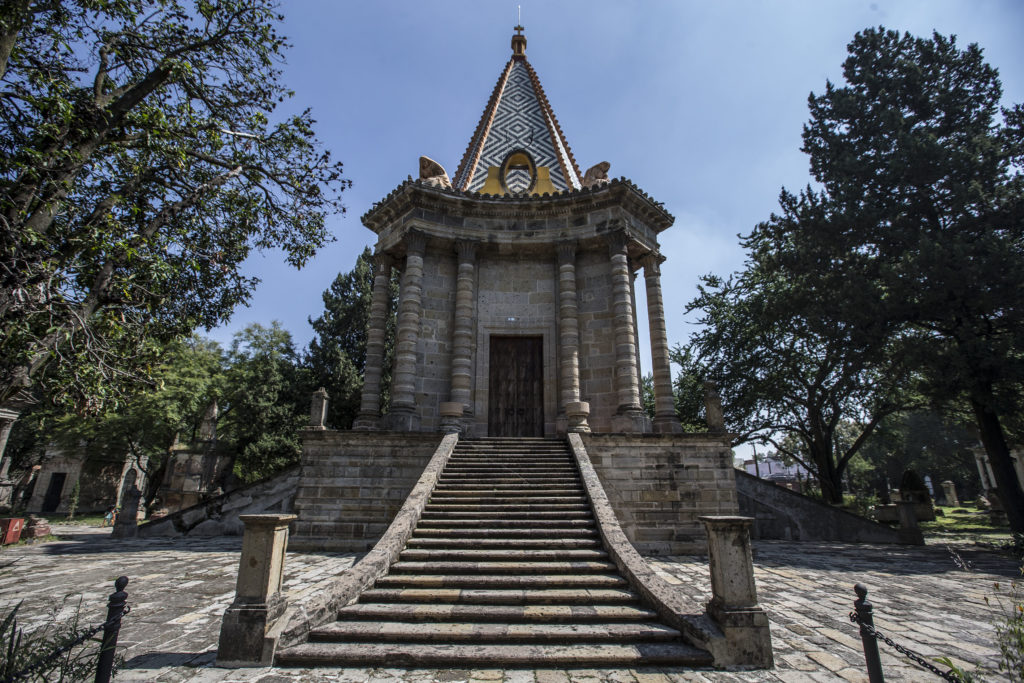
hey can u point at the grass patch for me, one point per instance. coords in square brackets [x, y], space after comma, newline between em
[963, 522]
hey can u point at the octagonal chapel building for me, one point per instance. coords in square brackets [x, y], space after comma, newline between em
[517, 306]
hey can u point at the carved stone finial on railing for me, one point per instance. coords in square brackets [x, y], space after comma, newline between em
[713, 408]
[318, 409]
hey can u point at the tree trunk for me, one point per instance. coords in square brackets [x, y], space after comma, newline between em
[1010, 493]
[829, 478]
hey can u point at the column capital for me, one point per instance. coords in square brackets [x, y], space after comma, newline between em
[466, 249]
[566, 252]
[651, 261]
[382, 260]
[415, 242]
[617, 242]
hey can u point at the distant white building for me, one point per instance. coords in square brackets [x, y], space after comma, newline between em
[772, 468]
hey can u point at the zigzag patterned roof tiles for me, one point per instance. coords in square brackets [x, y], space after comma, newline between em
[518, 116]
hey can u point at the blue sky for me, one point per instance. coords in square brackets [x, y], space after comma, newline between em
[701, 104]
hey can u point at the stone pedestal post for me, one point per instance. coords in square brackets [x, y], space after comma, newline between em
[576, 412]
[665, 420]
[462, 336]
[318, 410]
[713, 415]
[403, 415]
[733, 605]
[629, 417]
[369, 407]
[258, 600]
[909, 531]
[127, 524]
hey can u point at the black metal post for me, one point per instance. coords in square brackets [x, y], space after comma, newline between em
[115, 608]
[864, 609]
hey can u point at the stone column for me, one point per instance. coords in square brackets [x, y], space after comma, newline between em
[733, 605]
[462, 336]
[665, 420]
[258, 600]
[369, 408]
[576, 411]
[629, 417]
[403, 415]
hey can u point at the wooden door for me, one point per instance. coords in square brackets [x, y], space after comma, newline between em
[516, 402]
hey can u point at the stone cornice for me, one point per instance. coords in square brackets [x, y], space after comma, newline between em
[449, 202]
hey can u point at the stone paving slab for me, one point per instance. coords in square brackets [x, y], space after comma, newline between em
[180, 588]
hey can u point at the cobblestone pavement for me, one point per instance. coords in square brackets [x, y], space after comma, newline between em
[180, 588]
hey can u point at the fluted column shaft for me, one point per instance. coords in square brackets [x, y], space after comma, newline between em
[410, 308]
[462, 337]
[627, 386]
[664, 403]
[369, 407]
[569, 336]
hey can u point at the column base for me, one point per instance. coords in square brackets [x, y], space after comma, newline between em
[631, 421]
[243, 641]
[576, 415]
[667, 424]
[366, 422]
[748, 641]
[451, 417]
[402, 420]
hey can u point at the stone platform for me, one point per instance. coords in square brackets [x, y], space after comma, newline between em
[180, 588]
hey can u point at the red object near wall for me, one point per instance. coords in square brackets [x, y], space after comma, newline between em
[10, 529]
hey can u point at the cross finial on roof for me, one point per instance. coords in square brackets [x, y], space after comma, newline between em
[518, 42]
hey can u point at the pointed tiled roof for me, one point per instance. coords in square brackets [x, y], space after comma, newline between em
[518, 117]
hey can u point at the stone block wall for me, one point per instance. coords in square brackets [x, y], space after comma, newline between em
[434, 348]
[597, 337]
[658, 484]
[781, 514]
[352, 484]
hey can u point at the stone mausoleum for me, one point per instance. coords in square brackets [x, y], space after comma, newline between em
[516, 317]
[505, 490]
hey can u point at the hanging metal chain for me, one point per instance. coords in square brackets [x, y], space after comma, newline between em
[950, 676]
[66, 647]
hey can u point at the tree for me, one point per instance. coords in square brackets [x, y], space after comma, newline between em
[337, 353]
[924, 168]
[140, 163]
[265, 401]
[189, 376]
[791, 374]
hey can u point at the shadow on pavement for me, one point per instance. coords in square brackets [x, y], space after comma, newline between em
[161, 660]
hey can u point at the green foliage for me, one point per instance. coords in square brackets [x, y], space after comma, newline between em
[921, 177]
[63, 624]
[337, 353]
[1010, 628]
[265, 401]
[141, 161]
[76, 491]
[688, 391]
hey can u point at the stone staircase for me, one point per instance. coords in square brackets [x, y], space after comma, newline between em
[505, 568]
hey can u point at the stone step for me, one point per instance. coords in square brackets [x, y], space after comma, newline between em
[512, 500]
[474, 655]
[396, 631]
[490, 532]
[508, 523]
[498, 481]
[512, 484]
[508, 507]
[505, 514]
[503, 543]
[503, 567]
[502, 596]
[513, 614]
[509, 555]
[517, 493]
[501, 581]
